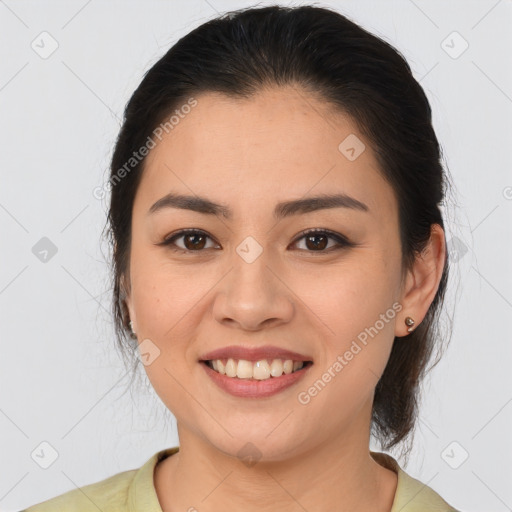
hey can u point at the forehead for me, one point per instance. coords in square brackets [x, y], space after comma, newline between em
[282, 143]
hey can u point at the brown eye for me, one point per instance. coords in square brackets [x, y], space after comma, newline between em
[317, 240]
[193, 240]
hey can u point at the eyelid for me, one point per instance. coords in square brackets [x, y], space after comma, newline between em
[168, 240]
[340, 239]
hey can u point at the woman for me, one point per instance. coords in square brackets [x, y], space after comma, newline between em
[280, 261]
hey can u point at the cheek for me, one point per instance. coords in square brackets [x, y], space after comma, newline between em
[348, 297]
[355, 308]
[170, 300]
[163, 291]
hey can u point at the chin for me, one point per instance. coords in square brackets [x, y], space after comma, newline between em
[257, 448]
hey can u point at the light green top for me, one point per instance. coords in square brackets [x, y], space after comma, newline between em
[134, 491]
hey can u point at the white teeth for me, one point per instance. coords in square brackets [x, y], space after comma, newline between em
[260, 370]
[244, 369]
[276, 368]
[231, 368]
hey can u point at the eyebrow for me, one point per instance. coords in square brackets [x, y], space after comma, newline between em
[281, 210]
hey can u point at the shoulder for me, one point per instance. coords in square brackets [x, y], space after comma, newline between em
[108, 495]
[415, 496]
[122, 492]
[411, 494]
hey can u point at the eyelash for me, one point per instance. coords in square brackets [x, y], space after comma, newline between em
[342, 241]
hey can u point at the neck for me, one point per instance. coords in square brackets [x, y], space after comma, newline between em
[337, 475]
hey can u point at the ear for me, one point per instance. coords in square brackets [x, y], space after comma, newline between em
[423, 280]
[125, 292]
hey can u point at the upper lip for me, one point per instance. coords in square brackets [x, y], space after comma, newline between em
[254, 354]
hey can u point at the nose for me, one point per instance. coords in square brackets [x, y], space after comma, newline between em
[253, 295]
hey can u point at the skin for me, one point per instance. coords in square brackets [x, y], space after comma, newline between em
[250, 154]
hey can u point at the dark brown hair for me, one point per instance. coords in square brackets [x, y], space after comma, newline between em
[324, 53]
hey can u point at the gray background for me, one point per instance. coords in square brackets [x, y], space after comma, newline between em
[62, 381]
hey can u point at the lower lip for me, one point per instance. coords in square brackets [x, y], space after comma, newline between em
[253, 388]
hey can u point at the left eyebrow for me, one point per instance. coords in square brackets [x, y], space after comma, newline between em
[283, 209]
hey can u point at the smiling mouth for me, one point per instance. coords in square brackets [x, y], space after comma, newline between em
[256, 370]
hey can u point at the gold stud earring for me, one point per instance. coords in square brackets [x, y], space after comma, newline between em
[410, 323]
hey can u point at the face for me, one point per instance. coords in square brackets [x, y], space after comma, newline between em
[254, 279]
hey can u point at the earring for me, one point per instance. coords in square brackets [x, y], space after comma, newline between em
[409, 322]
[131, 328]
